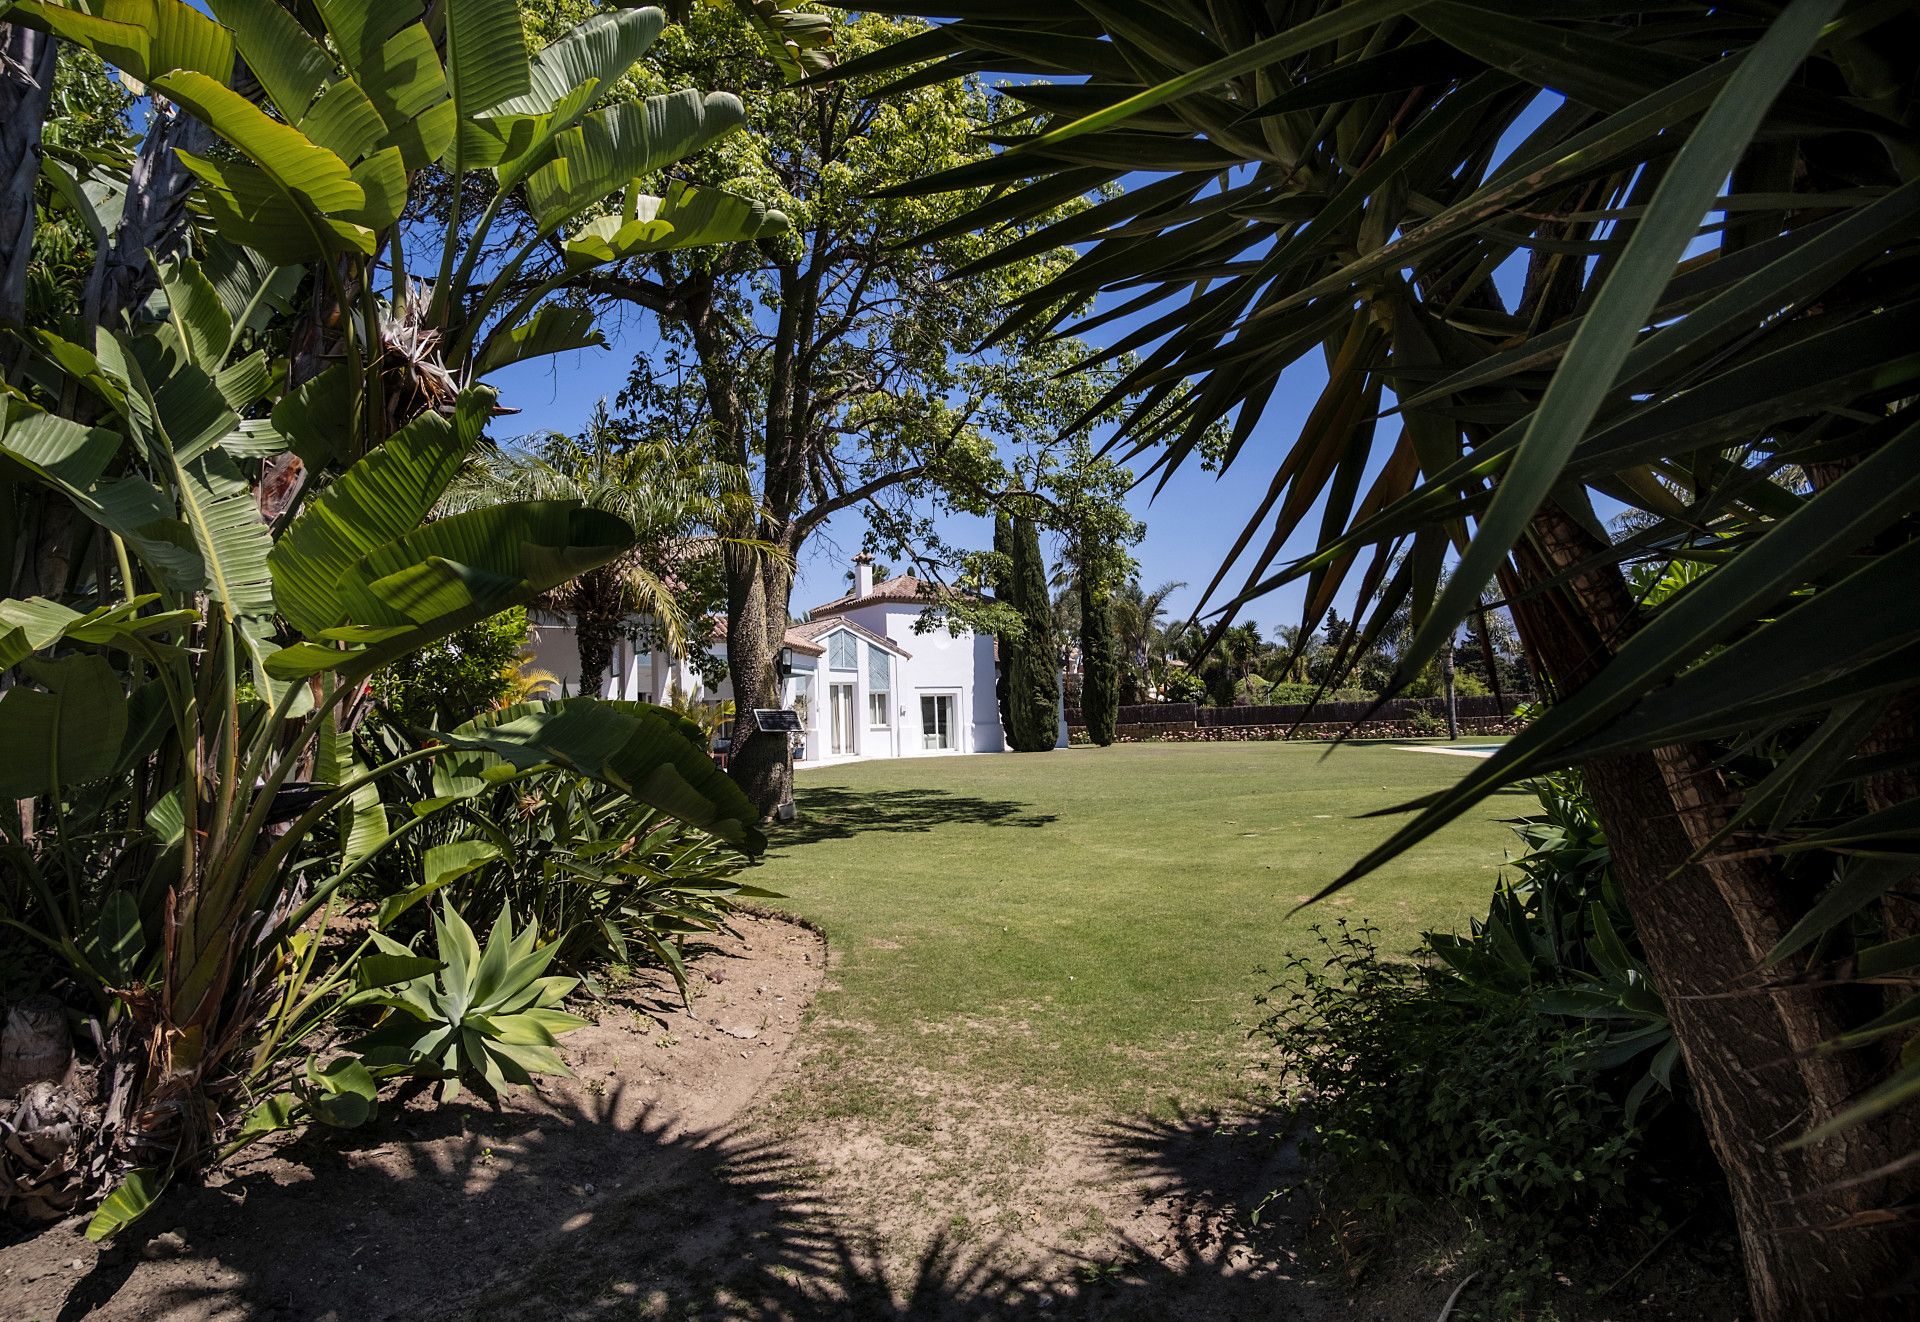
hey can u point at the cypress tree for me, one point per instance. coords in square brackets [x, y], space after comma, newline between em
[1099, 662]
[1033, 676]
[1003, 590]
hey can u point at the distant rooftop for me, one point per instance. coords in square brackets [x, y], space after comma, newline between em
[906, 587]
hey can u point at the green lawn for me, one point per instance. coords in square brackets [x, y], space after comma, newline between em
[1092, 923]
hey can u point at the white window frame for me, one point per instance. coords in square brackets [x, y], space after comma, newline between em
[958, 715]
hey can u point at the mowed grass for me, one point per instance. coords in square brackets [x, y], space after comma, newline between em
[1090, 926]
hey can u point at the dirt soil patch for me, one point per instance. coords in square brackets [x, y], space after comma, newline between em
[630, 1180]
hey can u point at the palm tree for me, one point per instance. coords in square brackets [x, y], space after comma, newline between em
[1137, 618]
[1244, 647]
[671, 494]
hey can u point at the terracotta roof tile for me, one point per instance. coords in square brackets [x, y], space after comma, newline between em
[905, 587]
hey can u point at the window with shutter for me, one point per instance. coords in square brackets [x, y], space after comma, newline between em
[879, 671]
[843, 651]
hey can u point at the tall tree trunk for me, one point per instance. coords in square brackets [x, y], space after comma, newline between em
[594, 637]
[26, 85]
[758, 589]
[1749, 1048]
[1099, 683]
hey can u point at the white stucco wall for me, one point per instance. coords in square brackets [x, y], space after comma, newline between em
[635, 674]
[938, 663]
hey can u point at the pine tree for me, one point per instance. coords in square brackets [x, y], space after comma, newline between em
[1099, 662]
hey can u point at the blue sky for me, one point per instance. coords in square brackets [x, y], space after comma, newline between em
[1189, 527]
[1191, 523]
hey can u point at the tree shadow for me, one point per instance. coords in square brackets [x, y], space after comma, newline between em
[603, 1207]
[841, 814]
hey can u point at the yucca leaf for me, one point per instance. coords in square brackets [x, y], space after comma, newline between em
[1621, 308]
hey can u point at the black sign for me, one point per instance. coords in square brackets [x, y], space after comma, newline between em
[777, 720]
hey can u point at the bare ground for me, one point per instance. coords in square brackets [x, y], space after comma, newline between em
[649, 1186]
[691, 1169]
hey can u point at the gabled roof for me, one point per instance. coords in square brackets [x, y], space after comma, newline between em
[798, 641]
[816, 629]
[904, 588]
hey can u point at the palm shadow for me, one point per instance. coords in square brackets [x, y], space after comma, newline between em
[828, 813]
[603, 1206]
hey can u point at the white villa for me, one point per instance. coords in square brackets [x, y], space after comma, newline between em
[865, 684]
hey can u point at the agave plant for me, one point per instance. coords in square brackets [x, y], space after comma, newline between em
[487, 1017]
[1654, 251]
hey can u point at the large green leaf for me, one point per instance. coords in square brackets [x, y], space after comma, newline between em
[456, 571]
[65, 732]
[486, 54]
[57, 450]
[384, 495]
[553, 328]
[129, 1201]
[619, 143]
[146, 38]
[291, 66]
[689, 216]
[302, 170]
[218, 506]
[651, 754]
[601, 49]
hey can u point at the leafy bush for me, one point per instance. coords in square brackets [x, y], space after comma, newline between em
[452, 681]
[601, 878]
[1185, 686]
[1297, 693]
[1418, 1088]
[1559, 941]
[1426, 722]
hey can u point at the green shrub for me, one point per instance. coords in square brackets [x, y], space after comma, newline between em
[457, 678]
[1296, 693]
[603, 879]
[1559, 941]
[1185, 686]
[1424, 722]
[1419, 1090]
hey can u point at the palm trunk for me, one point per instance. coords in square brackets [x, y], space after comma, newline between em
[1749, 1048]
[594, 637]
[758, 590]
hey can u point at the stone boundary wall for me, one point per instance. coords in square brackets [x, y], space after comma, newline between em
[1181, 732]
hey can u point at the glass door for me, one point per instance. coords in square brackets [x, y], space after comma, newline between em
[936, 720]
[840, 702]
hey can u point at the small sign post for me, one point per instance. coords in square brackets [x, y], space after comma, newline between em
[783, 721]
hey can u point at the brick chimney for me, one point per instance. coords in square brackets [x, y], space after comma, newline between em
[863, 575]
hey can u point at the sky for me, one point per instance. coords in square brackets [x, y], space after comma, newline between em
[1191, 523]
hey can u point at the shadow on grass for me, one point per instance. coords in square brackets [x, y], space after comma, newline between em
[605, 1209]
[841, 814]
